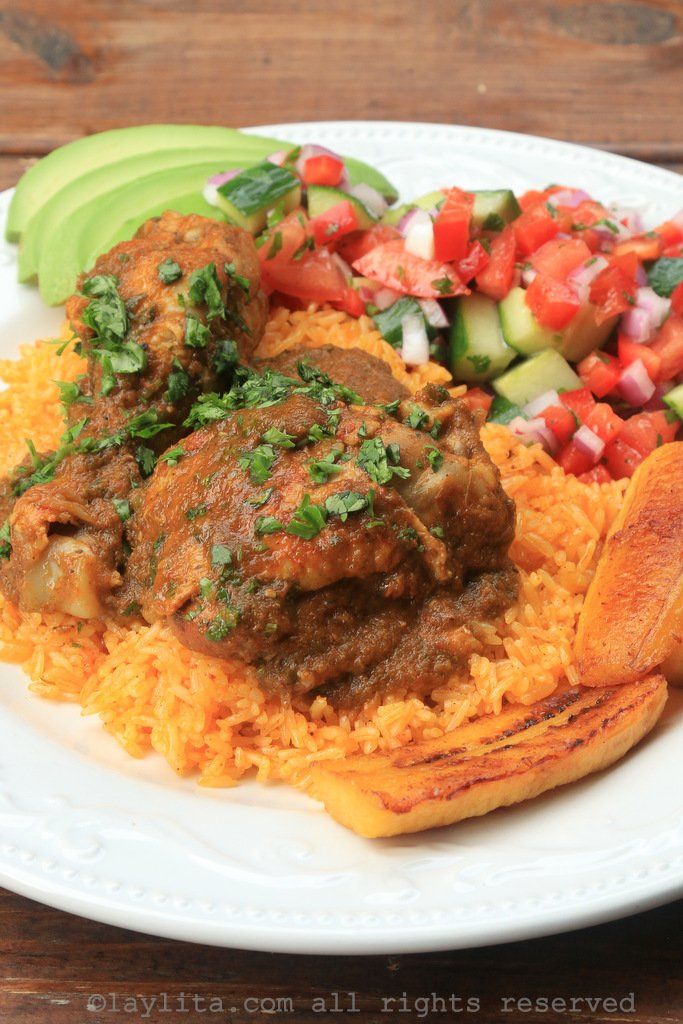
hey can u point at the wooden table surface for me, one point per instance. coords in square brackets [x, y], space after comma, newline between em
[606, 74]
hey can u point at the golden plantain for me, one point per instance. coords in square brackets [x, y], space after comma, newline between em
[632, 618]
[492, 762]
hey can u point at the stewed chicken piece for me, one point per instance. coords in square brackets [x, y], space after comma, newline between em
[332, 544]
[364, 373]
[161, 319]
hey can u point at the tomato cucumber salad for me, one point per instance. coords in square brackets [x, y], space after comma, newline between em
[562, 315]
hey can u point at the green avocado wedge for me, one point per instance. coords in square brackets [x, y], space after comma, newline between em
[51, 222]
[69, 162]
[86, 232]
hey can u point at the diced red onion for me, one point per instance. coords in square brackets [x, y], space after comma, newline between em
[537, 405]
[641, 275]
[636, 324]
[534, 431]
[415, 347]
[627, 218]
[370, 197]
[419, 238]
[571, 197]
[635, 384]
[385, 297]
[588, 442]
[434, 314]
[278, 158]
[656, 305]
[408, 218]
[582, 276]
[528, 275]
[210, 190]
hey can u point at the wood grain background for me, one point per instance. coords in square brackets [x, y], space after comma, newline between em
[607, 74]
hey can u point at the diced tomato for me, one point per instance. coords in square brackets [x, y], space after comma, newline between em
[339, 220]
[452, 226]
[674, 250]
[647, 431]
[558, 257]
[533, 227]
[668, 344]
[351, 303]
[553, 303]
[573, 459]
[561, 422]
[473, 263]
[622, 459]
[315, 276]
[356, 245]
[666, 423]
[600, 372]
[532, 198]
[495, 280]
[604, 422]
[677, 299]
[627, 261]
[580, 402]
[395, 268]
[477, 398]
[599, 474]
[612, 292]
[323, 170]
[646, 247]
[670, 232]
[630, 351]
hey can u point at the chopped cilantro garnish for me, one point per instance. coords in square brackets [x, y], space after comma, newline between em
[434, 457]
[204, 287]
[226, 357]
[278, 437]
[122, 506]
[221, 555]
[373, 457]
[70, 393]
[443, 285]
[320, 470]
[308, 519]
[222, 625]
[5, 540]
[260, 499]
[146, 460]
[242, 282]
[258, 462]
[437, 531]
[267, 524]
[197, 512]
[197, 334]
[169, 271]
[417, 418]
[173, 455]
[275, 246]
[178, 383]
[346, 502]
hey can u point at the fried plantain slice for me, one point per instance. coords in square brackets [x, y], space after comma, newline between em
[632, 618]
[492, 762]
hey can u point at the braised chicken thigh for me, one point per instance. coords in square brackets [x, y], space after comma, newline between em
[160, 319]
[332, 544]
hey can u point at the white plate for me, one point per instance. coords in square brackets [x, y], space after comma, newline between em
[86, 828]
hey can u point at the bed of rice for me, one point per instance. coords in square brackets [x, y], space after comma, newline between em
[209, 717]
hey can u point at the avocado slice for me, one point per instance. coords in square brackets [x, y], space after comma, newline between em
[51, 221]
[69, 162]
[87, 232]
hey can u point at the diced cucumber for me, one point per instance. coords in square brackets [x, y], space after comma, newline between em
[477, 351]
[495, 208]
[674, 399]
[520, 328]
[546, 371]
[503, 411]
[247, 198]
[322, 198]
[523, 332]
[389, 322]
[426, 202]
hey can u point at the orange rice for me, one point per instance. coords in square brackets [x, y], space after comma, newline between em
[209, 717]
